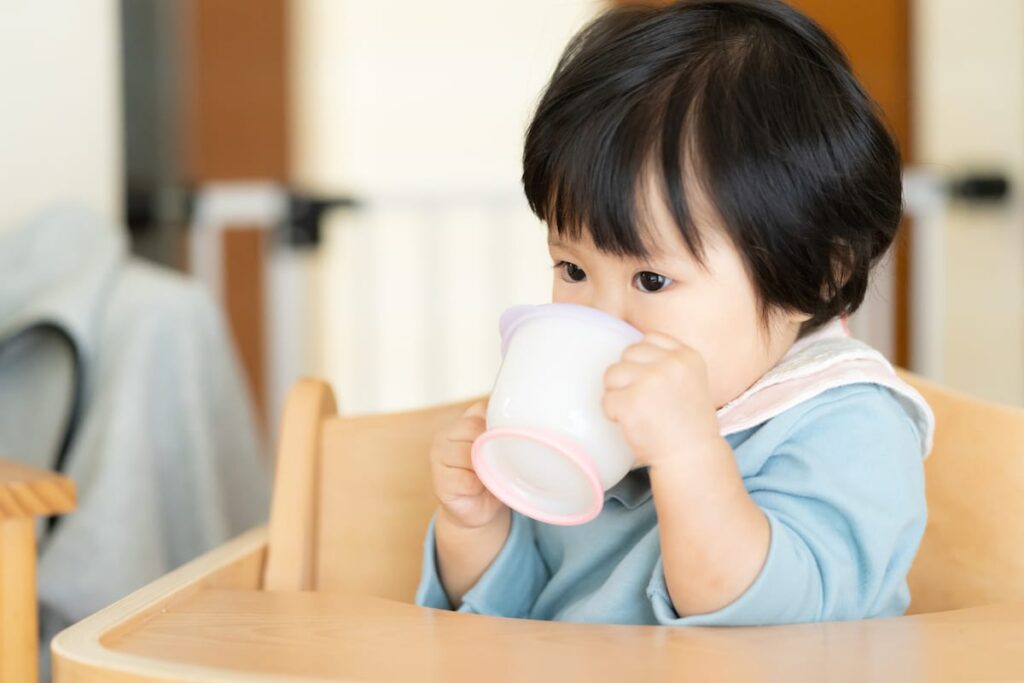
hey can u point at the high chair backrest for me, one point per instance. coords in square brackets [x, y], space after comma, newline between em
[973, 548]
[353, 498]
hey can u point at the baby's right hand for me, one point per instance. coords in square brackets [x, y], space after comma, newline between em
[465, 502]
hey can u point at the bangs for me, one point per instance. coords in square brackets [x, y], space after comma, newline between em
[605, 190]
[616, 123]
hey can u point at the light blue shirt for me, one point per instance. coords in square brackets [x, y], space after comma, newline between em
[840, 479]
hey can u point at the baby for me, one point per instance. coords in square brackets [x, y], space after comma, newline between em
[713, 174]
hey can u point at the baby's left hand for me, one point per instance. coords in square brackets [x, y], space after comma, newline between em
[658, 393]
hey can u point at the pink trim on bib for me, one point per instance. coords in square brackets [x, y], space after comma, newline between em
[826, 359]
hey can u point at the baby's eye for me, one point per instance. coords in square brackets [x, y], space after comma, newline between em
[651, 282]
[571, 272]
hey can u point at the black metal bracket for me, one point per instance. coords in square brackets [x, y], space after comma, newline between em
[305, 216]
[980, 188]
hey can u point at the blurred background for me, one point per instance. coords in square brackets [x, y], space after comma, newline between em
[343, 175]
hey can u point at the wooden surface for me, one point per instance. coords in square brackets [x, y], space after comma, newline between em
[291, 559]
[19, 630]
[376, 500]
[235, 635]
[352, 496]
[80, 653]
[235, 75]
[973, 547]
[244, 255]
[25, 493]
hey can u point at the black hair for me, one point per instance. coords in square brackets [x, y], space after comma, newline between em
[751, 100]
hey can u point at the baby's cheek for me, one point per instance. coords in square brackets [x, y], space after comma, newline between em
[563, 293]
[732, 368]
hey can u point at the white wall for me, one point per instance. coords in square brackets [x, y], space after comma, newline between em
[60, 112]
[969, 111]
[410, 96]
[419, 109]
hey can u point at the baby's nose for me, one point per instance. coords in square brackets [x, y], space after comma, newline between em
[610, 304]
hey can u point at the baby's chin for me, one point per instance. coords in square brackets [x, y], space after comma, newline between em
[724, 394]
[721, 403]
[719, 406]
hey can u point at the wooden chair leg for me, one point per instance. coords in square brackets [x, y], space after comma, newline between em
[19, 629]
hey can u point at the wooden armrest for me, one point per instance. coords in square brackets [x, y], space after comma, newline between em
[26, 491]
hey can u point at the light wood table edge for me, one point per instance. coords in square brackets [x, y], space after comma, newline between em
[81, 656]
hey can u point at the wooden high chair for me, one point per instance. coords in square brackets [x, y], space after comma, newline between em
[324, 590]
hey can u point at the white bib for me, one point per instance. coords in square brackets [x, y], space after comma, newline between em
[823, 360]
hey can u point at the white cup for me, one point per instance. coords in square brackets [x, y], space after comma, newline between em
[549, 451]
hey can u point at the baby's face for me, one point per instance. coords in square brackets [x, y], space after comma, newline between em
[713, 310]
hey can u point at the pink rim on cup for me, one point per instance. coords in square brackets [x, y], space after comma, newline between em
[549, 452]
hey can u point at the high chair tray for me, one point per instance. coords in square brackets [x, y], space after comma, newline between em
[208, 621]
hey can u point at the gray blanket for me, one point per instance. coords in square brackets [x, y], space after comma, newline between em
[164, 450]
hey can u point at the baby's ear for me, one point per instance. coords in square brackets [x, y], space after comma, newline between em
[801, 317]
[791, 316]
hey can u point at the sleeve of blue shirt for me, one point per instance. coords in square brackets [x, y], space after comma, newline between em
[508, 588]
[844, 497]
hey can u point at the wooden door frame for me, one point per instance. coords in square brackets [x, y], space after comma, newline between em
[236, 121]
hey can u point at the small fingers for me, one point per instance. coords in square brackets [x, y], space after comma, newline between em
[620, 375]
[643, 353]
[461, 483]
[467, 429]
[611, 402]
[663, 341]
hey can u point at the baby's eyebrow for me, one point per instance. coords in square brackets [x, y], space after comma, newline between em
[559, 245]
